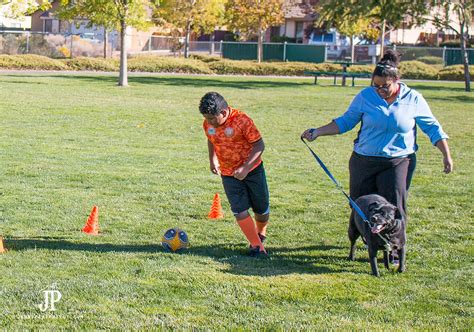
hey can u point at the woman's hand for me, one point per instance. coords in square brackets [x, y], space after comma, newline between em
[310, 134]
[443, 146]
[448, 164]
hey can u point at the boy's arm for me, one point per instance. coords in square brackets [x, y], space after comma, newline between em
[257, 150]
[213, 162]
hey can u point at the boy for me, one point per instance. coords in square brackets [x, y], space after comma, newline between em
[235, 149]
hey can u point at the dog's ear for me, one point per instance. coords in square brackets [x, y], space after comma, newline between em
[398, 214]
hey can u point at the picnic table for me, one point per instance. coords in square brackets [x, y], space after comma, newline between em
[336, 74]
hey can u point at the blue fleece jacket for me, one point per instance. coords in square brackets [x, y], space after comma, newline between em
[389, 130]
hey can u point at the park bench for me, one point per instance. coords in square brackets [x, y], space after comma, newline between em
[336, 74]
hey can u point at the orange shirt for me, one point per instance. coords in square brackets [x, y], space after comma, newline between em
[233, 141]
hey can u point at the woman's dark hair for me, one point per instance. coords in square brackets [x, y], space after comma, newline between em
[388, 65]
[212, 103]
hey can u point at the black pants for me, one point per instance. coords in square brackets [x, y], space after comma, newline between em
[387, 177]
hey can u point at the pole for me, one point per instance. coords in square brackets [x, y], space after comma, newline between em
[284, 51]
[444, 56]
[27, 42]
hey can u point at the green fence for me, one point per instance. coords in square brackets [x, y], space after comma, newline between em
[274, 51]
[454, 57]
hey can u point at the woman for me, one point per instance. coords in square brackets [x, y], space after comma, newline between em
[384, 159]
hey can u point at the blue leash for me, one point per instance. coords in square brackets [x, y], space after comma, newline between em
[351, 201]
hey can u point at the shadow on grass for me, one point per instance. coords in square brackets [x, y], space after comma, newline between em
[198, 81]
[282, 261]
[436, 87]
[463, 99]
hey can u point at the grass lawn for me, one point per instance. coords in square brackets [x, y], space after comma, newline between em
[69, 142]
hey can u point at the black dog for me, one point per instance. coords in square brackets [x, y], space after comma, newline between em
[387, 222]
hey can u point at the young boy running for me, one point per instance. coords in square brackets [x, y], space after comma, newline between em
[235, 148]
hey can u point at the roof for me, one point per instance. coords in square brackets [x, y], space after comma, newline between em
[299, 9]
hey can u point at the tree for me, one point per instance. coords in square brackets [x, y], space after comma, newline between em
[112, 14]
[253, 17]
[192, 15]
[457, 16]
[337, 14]
[20, 8]
[384, 13]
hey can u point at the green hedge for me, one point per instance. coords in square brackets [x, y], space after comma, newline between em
[31, 62]
[94, 64]
[215, 65]
[156, 64]
[418, 70]
[455, 73]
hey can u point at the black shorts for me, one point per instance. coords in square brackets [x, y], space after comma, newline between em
[251, 192]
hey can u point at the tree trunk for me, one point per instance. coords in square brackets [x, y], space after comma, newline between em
[382, 39]
[467, 76]
[123, 78]
[260, 46]
[186, 39]
[106, 40]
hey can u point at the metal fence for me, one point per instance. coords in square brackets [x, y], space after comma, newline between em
[56, 45]
[66, 46]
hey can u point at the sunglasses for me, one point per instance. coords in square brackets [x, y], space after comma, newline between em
[383, 88]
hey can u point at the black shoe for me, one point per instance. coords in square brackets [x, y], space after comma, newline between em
[256, 252]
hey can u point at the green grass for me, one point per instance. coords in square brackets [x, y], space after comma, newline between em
[69, 142]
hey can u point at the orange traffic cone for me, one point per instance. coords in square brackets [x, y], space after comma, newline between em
[216, 208]
[92, 224]
[2, 247]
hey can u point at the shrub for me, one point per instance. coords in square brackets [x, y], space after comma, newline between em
[11, 44]
[455, 73]
[369, 69]
[30, 61]
[205, 58]
[418, 70]
[455, 43]
[163, 64]
[94, 64]
[269, 68]
[431, 60]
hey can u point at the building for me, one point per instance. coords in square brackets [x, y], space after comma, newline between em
[299, 20]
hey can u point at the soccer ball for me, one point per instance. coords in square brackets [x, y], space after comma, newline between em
[175, 240]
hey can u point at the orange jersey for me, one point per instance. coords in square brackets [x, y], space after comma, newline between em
[233, 141]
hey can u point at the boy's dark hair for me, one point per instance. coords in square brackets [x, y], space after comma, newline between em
[212, 103]
[388, 65]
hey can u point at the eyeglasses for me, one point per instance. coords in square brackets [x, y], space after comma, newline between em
[383, 88]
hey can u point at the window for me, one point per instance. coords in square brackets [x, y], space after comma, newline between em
[323, 38]
[299, 31]
[328, 38]
[48, 26]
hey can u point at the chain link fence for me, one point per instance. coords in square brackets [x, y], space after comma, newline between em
[85, 45]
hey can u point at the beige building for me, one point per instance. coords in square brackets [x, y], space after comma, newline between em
[299, 19]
